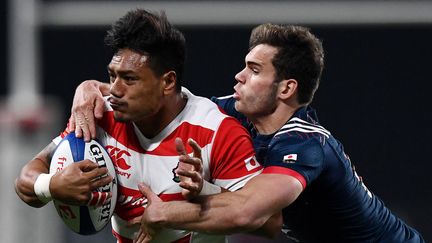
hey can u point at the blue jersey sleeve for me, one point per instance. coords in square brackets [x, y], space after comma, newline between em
[288, 154]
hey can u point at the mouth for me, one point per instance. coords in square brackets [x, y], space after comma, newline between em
[115, 103]
[236, 95]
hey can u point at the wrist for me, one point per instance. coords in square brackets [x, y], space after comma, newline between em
[209, 189]
[41, 187]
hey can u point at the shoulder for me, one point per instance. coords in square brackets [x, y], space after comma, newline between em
[303, 130]
[225, 102]
[300, 135]
[299, 146]
[202, 111]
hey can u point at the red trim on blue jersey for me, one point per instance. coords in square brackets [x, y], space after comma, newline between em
[232, 147]
[285, 171]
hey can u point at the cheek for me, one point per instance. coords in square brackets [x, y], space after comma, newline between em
[258, 87]
[149, 98]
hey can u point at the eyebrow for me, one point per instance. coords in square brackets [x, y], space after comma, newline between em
[120, 72]
[253, 63]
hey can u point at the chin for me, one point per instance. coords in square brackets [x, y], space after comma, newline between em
[239, 107]
[119, 117]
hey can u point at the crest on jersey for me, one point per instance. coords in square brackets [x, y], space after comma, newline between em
[290, 158]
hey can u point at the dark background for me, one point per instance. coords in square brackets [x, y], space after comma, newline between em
[374, 94]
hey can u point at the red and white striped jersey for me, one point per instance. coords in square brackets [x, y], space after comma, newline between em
[227, 154]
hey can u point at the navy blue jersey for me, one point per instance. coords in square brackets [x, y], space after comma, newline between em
[335, 205]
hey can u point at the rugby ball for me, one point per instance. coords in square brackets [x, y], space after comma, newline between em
[84, 220]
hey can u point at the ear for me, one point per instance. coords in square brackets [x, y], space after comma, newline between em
[287, 89]
[170, 81]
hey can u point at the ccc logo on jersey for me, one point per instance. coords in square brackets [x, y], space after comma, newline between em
[118, 157]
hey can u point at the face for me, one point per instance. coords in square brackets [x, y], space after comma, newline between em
[136, 93]
[255, 91]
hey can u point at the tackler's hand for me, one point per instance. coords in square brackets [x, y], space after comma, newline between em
[152, 217]
[88, 105]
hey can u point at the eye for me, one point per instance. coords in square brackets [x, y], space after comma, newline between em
[112, 77]
[130, 78]
[254, 70]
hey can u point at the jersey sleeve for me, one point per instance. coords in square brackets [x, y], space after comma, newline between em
[297, 157]
[233, 160]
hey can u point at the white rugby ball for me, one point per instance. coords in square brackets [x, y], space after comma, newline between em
[84, 220]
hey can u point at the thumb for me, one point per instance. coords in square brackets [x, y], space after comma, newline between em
[148, 193]
[180, 148]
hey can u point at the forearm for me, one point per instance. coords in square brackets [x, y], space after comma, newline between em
[272, 228]
[208, 214]
[24, 183]
[242, 211]
[98, 85]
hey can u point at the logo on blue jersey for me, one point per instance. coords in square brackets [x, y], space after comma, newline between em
[290, 158]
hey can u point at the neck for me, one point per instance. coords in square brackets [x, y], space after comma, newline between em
[152, 126]
[271, 123]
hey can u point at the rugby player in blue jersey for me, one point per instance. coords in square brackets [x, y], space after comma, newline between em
[307, 175]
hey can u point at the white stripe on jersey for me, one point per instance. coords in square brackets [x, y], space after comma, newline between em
[299, 125]
[155, 168]
[237, 183]
[296, 119]
[224, 97]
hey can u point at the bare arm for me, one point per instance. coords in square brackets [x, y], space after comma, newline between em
[72, 185]
[25, 182]
[190, 171]
[87, 106]
[242, 211]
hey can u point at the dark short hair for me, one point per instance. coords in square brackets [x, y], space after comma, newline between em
[150, 34]
[300, 55]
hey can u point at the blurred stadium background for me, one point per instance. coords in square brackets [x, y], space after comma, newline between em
[373, 96]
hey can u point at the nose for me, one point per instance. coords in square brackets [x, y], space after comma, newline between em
[240, 76]
[116, 88]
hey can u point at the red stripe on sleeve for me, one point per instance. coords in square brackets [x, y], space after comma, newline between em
[232, 153]
[285, 171]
